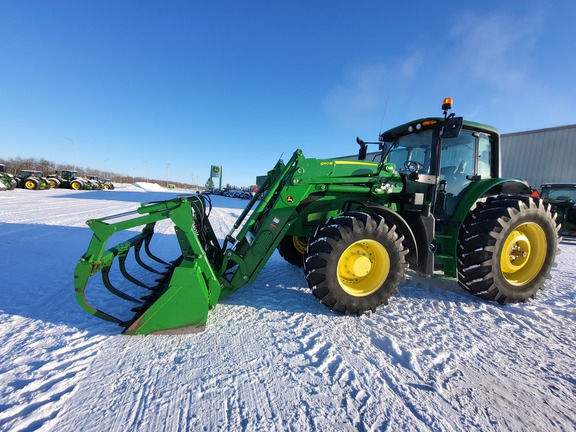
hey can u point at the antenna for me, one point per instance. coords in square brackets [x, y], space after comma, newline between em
[384, 114]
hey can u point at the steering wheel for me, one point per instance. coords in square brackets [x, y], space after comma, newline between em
[413, 166]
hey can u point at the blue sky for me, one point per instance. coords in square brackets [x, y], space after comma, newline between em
[131, 86]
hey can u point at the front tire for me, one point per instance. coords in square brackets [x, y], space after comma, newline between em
[355, 262]
[292, 249]
[507, 248]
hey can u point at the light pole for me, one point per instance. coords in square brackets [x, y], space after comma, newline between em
[74, 150]
[106, 168]
[145, 170]
[167, 173]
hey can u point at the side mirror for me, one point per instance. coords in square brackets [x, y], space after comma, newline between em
[363, 149]
[452, 127]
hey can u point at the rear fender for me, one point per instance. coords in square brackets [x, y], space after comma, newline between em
[484, 188]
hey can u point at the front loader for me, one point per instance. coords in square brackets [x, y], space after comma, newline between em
[430, 199]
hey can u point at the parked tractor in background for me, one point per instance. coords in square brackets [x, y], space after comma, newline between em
[32, 180]
[433, 201]
[68, 180]
[96, 183]
[562, 197]
[7, 180]
[107, 184]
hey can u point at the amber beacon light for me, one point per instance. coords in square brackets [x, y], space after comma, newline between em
[447, 104]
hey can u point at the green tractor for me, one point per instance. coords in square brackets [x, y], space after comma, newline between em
[95, 182]
[32, 180]
[562, 198]
[107, 184]
[432, 200]
[7, 180]
[68, 179]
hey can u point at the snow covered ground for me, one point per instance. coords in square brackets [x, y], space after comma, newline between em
[271, 357]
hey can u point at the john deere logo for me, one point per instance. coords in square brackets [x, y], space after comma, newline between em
[216, 169]
[289, 198]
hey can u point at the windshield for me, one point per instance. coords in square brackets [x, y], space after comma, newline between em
[559, 193]
[415, 147]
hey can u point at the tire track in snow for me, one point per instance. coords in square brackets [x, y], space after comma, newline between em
[39, 377]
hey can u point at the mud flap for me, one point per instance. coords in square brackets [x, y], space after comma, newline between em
[182, 308]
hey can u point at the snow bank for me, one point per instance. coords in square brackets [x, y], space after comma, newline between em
[145, 187]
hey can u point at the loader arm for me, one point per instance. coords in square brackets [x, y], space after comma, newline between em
[280, 208]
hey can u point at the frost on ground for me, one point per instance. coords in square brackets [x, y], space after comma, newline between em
[271, 356]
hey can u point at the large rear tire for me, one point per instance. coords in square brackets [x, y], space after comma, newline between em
[507, 248]
[292, 249]
[31, 184]
[355, 262]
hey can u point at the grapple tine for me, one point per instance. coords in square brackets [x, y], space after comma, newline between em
[147, 240]
[141, 263]
[112, 289]
[122, 264]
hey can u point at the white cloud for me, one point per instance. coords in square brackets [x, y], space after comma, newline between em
[490, 62]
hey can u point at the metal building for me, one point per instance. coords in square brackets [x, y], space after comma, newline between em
[540, 156]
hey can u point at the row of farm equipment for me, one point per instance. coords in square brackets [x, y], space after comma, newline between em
[66, 179]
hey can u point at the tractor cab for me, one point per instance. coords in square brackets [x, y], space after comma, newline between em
[69, 175]
[439, 158]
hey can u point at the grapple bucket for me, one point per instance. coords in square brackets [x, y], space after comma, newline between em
[185, 288]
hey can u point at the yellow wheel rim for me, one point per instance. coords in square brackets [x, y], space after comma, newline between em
[363, 268]
[523, 254]
[300, 243]
[75, 186]
[30, 184]
[52, 183]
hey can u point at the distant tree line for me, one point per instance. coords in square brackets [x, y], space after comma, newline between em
[17, 164]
